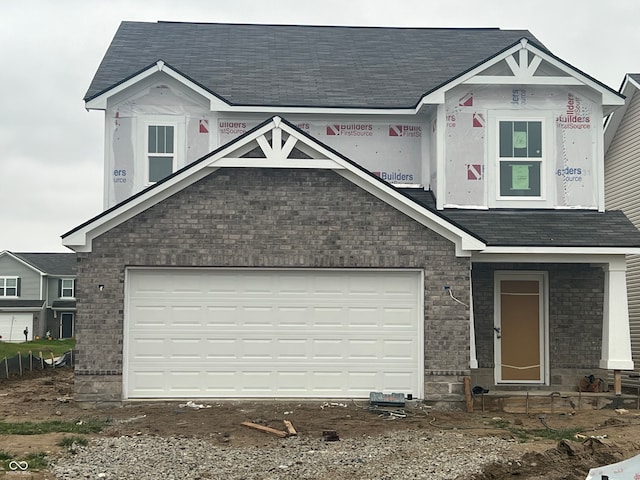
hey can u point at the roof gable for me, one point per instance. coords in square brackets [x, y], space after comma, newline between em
[275, 143]
[301, 65]
[58, 264]
[280, 68]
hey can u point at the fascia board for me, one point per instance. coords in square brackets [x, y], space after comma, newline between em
[611, 259]
[561, 250]
[23, 262]
[276, 110]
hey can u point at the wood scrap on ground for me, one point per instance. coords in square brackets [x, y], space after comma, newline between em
[291, 431]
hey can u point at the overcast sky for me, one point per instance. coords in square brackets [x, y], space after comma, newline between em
[51, 148]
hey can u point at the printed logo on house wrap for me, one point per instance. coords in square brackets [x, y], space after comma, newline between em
[405, 131]
[518, 96]
[576, 116]
[232, 128]
[350, 129]
[466, 101]
[395, 177]
[474, 171]
[478, 120]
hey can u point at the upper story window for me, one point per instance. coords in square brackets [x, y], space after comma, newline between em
[520, 158]
[67, 288]
[520, 147]
[9, 287]
[160, 151]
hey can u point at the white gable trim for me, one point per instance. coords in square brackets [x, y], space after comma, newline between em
[276, 156]
[523, 74]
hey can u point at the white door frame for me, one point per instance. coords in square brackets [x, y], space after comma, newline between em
[543, 278]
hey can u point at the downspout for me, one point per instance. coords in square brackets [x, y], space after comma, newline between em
[473, 359]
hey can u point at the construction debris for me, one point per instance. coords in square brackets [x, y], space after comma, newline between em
[291, 431]
[332, 404]
[195, 406]
[330, 436]
[387, 399]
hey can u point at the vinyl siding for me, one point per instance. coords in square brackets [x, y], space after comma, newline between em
[29, 279]
[622, 192]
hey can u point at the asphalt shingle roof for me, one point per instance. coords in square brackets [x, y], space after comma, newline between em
[540, 228]
[51, 263]
[295, 65]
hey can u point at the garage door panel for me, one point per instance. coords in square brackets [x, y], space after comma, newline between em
[234, 333]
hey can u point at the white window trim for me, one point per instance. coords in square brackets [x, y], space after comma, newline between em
[546, 198]
[178, 124]
[4, 279]
[73, 288]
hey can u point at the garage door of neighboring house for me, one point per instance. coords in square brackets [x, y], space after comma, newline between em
[207, 333]
[12, 326]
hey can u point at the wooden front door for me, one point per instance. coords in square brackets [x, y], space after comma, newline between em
[519, 328]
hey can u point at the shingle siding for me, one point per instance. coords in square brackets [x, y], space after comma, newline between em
[269, 218]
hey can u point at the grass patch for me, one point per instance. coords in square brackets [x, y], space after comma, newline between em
[47, 347]
[526, 435]
[4, 456]
[35, 461]
[52, 426]
[69, 442]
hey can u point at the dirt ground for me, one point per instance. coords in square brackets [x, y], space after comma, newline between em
[607, 436]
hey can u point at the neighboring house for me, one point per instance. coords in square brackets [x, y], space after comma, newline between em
[622, 190]
[37, 294]
[297, 211]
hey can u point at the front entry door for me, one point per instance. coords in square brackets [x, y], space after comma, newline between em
[519, 330]
[66, 325]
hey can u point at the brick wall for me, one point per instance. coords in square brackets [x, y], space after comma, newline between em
[267, 218]
[576, 296]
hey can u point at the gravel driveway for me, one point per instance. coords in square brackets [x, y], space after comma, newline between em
[396, 455]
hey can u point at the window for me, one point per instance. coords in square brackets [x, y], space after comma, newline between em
[9, 287]
[160, 151]
[67, 288]
[520, 158]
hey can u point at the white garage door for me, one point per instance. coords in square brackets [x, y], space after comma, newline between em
[206, 333]
[12, 326]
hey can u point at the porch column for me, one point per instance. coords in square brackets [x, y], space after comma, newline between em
[616, 338]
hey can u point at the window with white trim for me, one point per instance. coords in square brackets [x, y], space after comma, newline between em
[9, 287]
[520, 159]
[67, 288]
[160, 151]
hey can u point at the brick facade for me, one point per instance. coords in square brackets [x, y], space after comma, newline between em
[269, 218]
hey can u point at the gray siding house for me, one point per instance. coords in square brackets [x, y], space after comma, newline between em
[301, 211]
[37, 295]
[622, 156]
